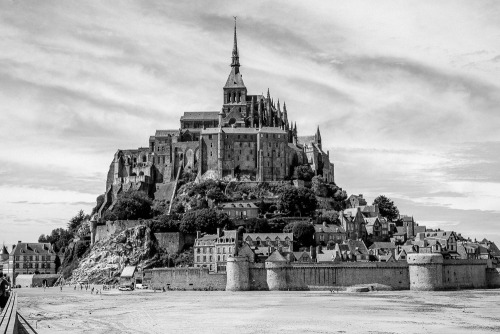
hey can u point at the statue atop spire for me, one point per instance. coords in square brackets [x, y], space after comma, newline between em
[236, 57]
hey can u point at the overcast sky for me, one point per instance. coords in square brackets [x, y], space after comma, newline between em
[406, 93]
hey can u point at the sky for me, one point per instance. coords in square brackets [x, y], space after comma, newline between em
[406, 94]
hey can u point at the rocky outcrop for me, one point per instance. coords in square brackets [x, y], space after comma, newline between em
[135, 246]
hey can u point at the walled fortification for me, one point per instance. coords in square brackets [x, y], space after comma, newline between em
[110, 228]
[432, 272]
[422, 272]
[185, 278]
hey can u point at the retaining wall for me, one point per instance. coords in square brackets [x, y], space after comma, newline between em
[112, 228]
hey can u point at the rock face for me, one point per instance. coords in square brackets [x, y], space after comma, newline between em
[108, 257]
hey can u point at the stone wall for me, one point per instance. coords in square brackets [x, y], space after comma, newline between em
[493, 277]
[174, 242]
[185, 278]
[112, 228]
[464, 274]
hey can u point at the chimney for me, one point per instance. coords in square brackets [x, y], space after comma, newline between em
[218, 232]
[318, 249]
[360, 196]
[198, 234]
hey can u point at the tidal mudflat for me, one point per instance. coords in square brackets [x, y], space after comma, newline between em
[70, 311]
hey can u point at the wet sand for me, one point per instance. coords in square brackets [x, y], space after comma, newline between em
[466, 311]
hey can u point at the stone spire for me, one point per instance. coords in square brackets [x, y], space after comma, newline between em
[236, 57]
[285, 116]
[280, 120]
[317, 138]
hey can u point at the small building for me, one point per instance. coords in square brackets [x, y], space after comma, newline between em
[240, 210]
[30, 258]
[127, 276]
[302, 257]
[325, 234]
[212, 250]
[383, 250]
[373, 228]
[356, 200]
[280, 241]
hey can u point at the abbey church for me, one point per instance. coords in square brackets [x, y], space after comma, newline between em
[251, 138]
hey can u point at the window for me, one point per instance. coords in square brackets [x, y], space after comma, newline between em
[210, 137]
[198, 258]
[17, 265]
[204, 258]
[210, 258]
[198, 250]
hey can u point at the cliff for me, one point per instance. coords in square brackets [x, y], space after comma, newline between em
[104, 263]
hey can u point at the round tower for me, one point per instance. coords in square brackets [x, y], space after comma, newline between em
[277, 275]
[426, 271]
[237, 273]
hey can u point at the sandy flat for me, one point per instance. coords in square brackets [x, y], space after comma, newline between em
[466, 311]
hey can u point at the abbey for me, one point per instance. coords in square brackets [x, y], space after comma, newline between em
[250, 138]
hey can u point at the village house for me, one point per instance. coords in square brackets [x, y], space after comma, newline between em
[212, 250]
[383, 251]
[30, 258]
[240, 210]
[328, 234]
[374, 228]
[353, 223]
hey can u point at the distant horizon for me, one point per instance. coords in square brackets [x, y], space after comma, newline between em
[406, 96]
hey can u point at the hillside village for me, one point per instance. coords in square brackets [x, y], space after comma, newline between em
[238, 181]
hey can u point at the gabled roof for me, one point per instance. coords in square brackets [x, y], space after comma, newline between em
[234, 80]
[299, 255]
[200, 116]
[325, 256]
[268, 129]
[208, 237]
[264, 236]
[357, 245]
[371, 221]
[329, 228]
[276, 257]
[128, 271]
[38, 248]
[305, 140]
[377, 245]
[239, 205]
[166, 133]
[4, 251]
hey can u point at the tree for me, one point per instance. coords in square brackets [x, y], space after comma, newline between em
[258, 225]
[216, 195]
[386, 207]
[304, 172]
[319, 186]
[133, 205]
[76, 221]
[163, 223]
[300, 201]
[204, 220]
[303, 233]
[59, 238]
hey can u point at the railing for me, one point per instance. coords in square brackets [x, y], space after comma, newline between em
[8, 319]
[11, 322]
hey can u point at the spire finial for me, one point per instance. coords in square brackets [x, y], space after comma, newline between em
[236, 57]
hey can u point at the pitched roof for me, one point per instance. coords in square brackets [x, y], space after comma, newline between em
[200, 115]
[268, 129]
[376, 245]
[128, 271]
[36, 248]
[357, 245]
[166, 133]
[276, 257]
[303, 140]
[329, 228]
[264, 236]
[371, 221]
[208, 237]
[325, 256]
[4, 251]
[239, 205]
[299, 255]
[234, 80]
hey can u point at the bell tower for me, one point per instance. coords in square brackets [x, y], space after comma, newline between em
[235, 92]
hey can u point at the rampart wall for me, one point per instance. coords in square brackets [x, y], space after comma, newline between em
[186, 278]
[429, 272]
[464, 274]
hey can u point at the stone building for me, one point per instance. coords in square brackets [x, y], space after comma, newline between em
[211, 251]
[250, 138]
[325, 234]
[30, 258]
